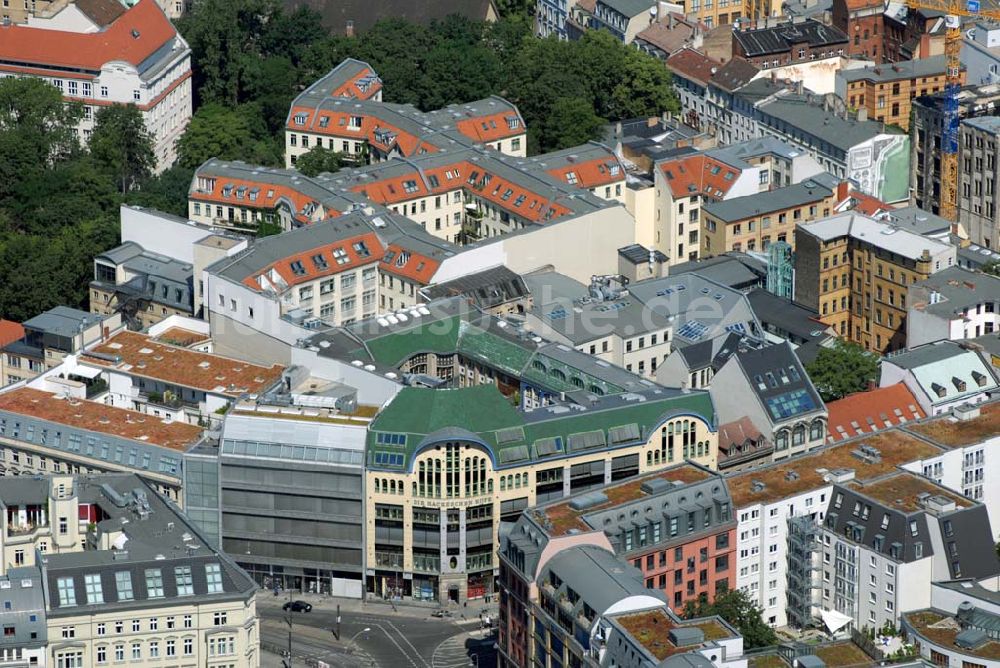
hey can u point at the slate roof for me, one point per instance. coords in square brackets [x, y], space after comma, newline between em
[950, 291]
[778, 39]
[814, 120]
[780, 383]
[906, 69]
[23, 616]
[940, 369]
[629, 8]
[598, 577]
[878, 233]
[62, 321]
[786, 318]
[780, 199]
[488, 288]
[158, 538]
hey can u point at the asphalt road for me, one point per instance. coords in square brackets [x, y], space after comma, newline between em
[397, 641]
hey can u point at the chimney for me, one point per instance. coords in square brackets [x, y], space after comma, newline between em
[671, 20]
[843, 190]
[799, 87]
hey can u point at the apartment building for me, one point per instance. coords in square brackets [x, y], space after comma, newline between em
[144, 287]
[977, 176]
[684, 549]
[683, 185]
[753, 222]
[98, 58]
[44, 433]
[862, 21]
[965, 460]
[856, 272]
[49, 337]
[788, 497]
[173, 382]
[639, 326]
[345, 109]
[887, 91]
[954, 303]
[884, 542]
[928, 118]
[786, 44]
[787, 410]
[577, 604]
[444, 467]
[941, 375]
[125, 577]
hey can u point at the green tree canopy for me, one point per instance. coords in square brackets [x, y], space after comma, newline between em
[735, 606]
[842, 369]
[216, 131]
[318, 160]
[122, 146]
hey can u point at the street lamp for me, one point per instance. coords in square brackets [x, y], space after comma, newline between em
[364, 630]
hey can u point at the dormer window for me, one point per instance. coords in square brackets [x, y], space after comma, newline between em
[300, 118]
[571, 178]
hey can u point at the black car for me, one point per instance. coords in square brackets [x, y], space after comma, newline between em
[297, 606]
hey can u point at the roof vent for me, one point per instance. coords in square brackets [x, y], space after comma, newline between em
[135, 33]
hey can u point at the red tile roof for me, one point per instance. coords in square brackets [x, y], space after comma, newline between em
[407, 264]
[591, 174]
[737, 432]
[491, 127]
[359, 251]
[372, 129]
[133, 38]
[350, 88]
[868, 412]
[10, 332]
[268, 196]
[699, 174]
[693, 65]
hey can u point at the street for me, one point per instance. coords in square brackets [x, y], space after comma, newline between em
[377, 636]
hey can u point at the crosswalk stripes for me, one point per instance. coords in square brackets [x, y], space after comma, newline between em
[451, 653]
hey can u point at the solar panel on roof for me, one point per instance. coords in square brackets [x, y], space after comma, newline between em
[791, 403]
[693, 330]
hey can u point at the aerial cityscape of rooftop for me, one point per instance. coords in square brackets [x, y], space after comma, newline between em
[500, 333]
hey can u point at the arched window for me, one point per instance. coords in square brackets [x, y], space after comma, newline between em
[489, 486]
[503, 483]
[816, 430]
[798, 435]
[781, 440]
[649, 458]
[577, 382]
[557, 374]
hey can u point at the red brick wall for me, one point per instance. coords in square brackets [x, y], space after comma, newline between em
[659, 567]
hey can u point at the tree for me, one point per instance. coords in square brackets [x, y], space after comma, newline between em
[318, 160]
[570, 122]
[735, 606]
[842, 369]
[165, 192]
[992, 268]
[230, 134]
[122, 145]
[37, 129]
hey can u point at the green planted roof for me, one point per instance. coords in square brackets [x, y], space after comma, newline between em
[394, 348]
[516, 437]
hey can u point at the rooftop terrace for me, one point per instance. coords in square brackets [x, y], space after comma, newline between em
[942, 630]
[139, 355]
[896, 447]
[564, 517]
[903, 490]
[178, 336]
[99, 418]
[651, 629]
[951, 433]
[843, 655]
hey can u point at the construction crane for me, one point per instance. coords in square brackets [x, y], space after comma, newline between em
[954, 11]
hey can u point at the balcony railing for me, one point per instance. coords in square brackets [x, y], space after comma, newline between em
[23, 529]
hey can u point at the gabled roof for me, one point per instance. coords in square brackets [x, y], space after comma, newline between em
[134, 37]
[779, 381]
[945, 371]
[737, 73]
[698, 174]
[781, 38]
[868, 412]
[101, 12]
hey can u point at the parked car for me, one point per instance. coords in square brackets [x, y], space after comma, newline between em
[297, 606]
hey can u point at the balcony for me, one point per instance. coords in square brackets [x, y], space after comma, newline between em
[24, 529]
